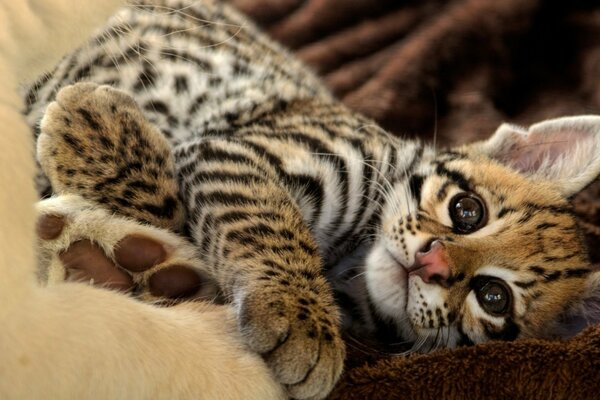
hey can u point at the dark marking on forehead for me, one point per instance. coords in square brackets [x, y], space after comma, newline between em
[525, 285]
[442, 191]
[455, 176]
[544, 274]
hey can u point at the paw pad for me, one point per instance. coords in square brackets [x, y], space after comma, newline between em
[82, 242]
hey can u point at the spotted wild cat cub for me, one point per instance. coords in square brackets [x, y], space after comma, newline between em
[285, 193]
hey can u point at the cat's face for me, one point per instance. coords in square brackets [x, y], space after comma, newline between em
[480, 243]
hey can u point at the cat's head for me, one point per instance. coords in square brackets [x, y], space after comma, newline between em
[480, 242]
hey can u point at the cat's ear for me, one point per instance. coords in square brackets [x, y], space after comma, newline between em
[565, 150]
[586, 312]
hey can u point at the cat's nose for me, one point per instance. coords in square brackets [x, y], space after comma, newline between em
[432, 264]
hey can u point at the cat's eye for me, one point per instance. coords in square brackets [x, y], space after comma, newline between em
[494, 297]
[467, 212]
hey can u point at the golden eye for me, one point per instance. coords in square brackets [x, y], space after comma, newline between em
[467, 212]
[494, 297]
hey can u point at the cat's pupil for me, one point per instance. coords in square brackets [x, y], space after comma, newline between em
[468, 210]
[494, 298]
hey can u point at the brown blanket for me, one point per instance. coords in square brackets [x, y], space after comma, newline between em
[457, 69]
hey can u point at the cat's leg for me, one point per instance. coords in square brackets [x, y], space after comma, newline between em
[266, 260]
[268, 265]
[109, 164]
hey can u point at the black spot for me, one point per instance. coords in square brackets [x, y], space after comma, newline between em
[538, 270]
[87, 116]
[552, 276]
[198, 101]
[146, 79]
[181, 84]
[545, 225]
[157, 106]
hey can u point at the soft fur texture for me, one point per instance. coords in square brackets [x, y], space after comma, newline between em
[538, 60]
[54, 340]
[7, 253]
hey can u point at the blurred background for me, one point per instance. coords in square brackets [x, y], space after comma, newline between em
[456, 68]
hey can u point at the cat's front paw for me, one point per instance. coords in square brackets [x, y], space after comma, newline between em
[297, 333]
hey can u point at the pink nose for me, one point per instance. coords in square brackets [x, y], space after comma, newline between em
[432, 266]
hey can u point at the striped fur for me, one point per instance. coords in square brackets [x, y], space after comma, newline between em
[283, 186]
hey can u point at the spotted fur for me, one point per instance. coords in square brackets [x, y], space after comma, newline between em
[283, 187]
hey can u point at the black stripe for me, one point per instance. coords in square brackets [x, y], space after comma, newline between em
[366, 189]
[165, 210]
[223, 198]
[455, 176]
[415, 183]
[525, 285]
[576, 272]
[157, 106]
[546, 225]
[505, 210]
[221, 176]
[311, 189]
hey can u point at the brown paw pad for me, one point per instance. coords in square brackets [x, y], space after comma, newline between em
[175, 282]
[50, 226]
[138, 253]
[85, 261]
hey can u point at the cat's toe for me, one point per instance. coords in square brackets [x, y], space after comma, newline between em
[50, 226]
[298, 337]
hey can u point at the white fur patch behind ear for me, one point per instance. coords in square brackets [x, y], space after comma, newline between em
[565, 151]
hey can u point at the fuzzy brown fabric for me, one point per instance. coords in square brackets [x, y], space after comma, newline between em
[459, 68]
